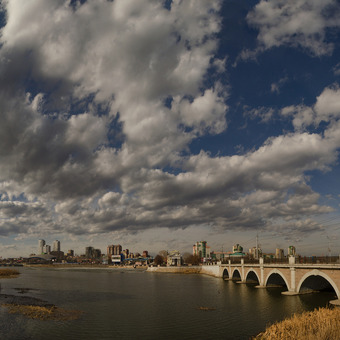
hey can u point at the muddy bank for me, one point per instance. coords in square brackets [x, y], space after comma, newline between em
[35, 308]
[43, 312]
[8, 273]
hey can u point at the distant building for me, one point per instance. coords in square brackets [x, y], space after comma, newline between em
[237, 249]
[41, 245]
[89, 252]
[59, 255]
[116, 259]
[201, 249]
[70, 252]
[56, 245]
[97, 253]
[126, 253]
[46, 249]
[117, 249]
[279, 254]
[110, 250]
[174, 259]
[219, 255]
[291, 251]
[255, 252]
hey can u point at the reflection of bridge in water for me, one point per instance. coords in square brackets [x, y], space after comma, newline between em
[298, 278]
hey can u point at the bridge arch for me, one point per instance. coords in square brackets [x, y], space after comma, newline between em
[225, 274]
[236, 275]
[251, 275]
[276, 273]
[316, 272]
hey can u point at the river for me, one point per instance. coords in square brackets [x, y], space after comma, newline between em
[135, 304]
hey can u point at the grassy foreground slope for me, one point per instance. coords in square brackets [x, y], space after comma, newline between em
[321, 324]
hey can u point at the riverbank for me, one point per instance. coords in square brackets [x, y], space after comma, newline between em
[83, 266]
[176, 270]
[321, 324]
[8, 273]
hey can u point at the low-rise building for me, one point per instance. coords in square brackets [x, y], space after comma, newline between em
[174, 259]
[116, 259]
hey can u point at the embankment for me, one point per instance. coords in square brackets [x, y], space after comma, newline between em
[207, 270]
[176, 270]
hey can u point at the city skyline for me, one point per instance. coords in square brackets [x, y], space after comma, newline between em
[159, 123]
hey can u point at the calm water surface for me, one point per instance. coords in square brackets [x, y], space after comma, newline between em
[134, 304]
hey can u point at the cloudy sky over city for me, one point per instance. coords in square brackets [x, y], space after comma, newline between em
[156, 124]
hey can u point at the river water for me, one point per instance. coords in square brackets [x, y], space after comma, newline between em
[135, 304]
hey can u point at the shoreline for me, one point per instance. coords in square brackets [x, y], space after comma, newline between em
[176, 270]
[83, 266]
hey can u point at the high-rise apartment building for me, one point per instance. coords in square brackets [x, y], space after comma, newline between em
[201, 249]
[117, 249]
[110, 250]
[41, 244]
[46, 249]
[56, 245]
[89, 252]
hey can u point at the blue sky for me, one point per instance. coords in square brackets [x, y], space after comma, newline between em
[157, 124]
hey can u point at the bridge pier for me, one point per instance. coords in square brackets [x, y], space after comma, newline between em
[335, 303]
[262, 283]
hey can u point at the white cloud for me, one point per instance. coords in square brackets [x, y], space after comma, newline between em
[326, 108]
[296, 23]
[275, 87]
[104, 146]
[303, 116]
[264, 113]
[327, 105]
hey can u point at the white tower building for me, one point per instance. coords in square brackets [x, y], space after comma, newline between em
[56, 245]
[41, 246]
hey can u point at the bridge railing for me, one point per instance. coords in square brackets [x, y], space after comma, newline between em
[298, 260]
[318, 260]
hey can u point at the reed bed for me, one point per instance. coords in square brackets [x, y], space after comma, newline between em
[43, 312]
[320, 324]
[8, 273]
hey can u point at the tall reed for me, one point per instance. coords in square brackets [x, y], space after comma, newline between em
[320, 324]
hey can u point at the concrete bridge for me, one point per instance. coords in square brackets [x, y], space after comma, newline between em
[297, 278]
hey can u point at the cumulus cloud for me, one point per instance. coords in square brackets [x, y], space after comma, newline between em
[264, 113]
[326, 109]
[102, 101]
[295, 23]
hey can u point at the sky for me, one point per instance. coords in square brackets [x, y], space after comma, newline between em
[156, 124]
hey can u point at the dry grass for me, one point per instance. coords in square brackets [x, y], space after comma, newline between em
[321, 324]
[8, 273]
[43, 313]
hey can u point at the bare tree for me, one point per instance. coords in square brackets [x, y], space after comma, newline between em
[158, 260]
[191, 259]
